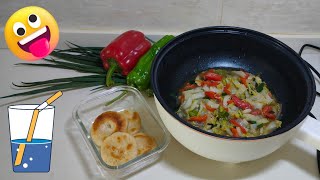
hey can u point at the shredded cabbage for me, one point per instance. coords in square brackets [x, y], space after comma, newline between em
[230, 103]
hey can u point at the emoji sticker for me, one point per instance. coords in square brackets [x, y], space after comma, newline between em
[31, 33]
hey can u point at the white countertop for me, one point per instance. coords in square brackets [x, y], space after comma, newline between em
[72, 160]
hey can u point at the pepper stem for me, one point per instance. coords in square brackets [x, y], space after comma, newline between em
[113, 66]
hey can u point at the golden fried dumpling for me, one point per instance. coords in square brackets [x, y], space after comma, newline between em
[118, 149]
[134, 121]
[106, 124]
[145, 143]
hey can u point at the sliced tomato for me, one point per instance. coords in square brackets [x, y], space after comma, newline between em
[235, 122]
[188, 86]
[226, 89]
[271, 116]
[234, 132]
[226, 109]
[244, 79]
[210, 75]
[210, 83]
[241, 104]
[182, 98]
[213, 95]
[198, 118]
[268, 112]
[209, 108]
[255, 112]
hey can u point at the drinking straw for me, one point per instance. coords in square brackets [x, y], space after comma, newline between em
[32, 126]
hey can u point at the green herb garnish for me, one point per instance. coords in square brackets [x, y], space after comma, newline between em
[222, 113]
[260, 125]
[193, 112]
[260, 87]
[252, 122]
[221, 72]
[211, 125]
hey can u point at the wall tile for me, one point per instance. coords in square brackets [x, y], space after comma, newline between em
[273, 16]
[163, 16]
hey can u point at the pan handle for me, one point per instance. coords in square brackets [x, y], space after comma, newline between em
[309, 132]
[308, 64]
[318, 74]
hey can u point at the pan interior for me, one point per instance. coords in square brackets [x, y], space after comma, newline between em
[282, 70]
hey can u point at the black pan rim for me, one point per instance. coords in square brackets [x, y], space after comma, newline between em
[311, 88]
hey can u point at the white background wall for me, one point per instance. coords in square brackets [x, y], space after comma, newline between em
[156, 16]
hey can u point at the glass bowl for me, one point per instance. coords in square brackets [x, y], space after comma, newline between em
[117, 99]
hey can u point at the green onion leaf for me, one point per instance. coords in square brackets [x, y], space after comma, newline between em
[67, 64]
[70, 67]
[85, 48]
[65, 86]
[91, 78]
[97, 88]
[80, 57]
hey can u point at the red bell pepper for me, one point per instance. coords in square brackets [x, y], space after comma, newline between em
[234, 132]
[255, 112]
[188, 86]
[198, 118]
[268, 112]
[210, 75]
[209, 108]
[235, 122]
[210, 83]
[226, 89]
[182, 98]
[213, 95]
[123, 53]
[241, 104]
[244, 79]
[229, 102]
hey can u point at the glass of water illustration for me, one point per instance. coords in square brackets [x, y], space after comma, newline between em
[37, 153]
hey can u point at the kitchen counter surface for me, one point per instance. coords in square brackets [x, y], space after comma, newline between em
[72, 160]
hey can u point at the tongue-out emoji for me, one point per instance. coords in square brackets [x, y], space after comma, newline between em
[37, 43]
[31, 33]
[40, 48]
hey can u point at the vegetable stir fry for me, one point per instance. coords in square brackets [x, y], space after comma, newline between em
[229, 103]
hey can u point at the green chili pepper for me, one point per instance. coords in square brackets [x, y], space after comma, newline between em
[140, 76]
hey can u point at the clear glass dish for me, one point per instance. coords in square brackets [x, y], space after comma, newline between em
[120, 98]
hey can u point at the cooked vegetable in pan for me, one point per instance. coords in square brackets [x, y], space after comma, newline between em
[230, 103]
